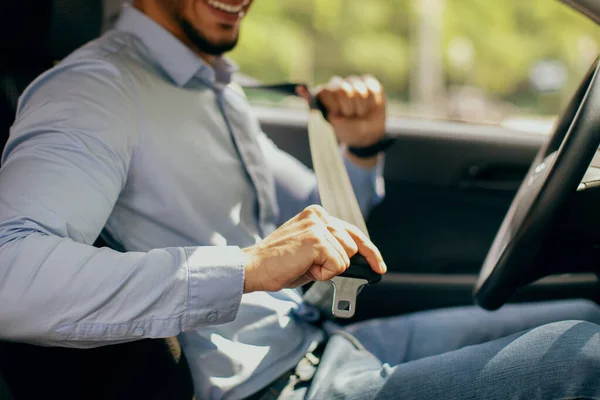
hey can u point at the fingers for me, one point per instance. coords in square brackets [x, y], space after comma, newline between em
[376, 93]
[361, 96]
[338, 97]
[335, 242]
[340, 248]
[317, 215]
[329, 254]
[365, 247]
[303, 280]
[353, 97]
[314, 213]
[339, 232]
[303, 92]
[331, 257]
[335, 97]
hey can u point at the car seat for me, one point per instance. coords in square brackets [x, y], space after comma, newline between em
[33, 35]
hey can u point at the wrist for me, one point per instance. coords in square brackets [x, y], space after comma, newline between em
[365, 163]
[372, 150]
[250, 272]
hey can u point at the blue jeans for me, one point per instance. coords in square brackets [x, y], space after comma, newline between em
[518, 352]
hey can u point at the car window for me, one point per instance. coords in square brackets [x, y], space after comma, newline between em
[507, 62]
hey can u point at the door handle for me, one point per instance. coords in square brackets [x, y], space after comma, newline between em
[494, 177]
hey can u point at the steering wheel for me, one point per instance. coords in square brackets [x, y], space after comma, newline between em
[556, 172]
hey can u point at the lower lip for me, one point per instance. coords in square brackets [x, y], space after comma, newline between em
[225, 17]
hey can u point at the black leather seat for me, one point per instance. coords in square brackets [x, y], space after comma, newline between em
[33, 34]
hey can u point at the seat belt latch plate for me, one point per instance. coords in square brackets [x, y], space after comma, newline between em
[345, 292]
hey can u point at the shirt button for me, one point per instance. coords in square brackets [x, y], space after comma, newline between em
[212, 316]
[139, 332]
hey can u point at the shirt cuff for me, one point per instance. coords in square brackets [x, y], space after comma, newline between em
[216, 284]
[358, 170]
[368, 183]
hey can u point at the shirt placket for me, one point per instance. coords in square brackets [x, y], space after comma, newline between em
[247, 159]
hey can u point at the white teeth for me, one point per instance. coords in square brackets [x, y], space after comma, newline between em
[227, 7]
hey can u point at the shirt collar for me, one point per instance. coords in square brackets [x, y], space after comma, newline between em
[175, 58]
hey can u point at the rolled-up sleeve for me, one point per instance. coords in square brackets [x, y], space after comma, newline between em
[65, 164]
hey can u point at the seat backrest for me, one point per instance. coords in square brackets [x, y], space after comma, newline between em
[34, 34]
[13, 80]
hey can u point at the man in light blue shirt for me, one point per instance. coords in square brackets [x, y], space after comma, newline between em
[141, 136]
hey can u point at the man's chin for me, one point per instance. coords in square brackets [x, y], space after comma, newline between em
[218, 49]
[208, 46]
[227, 27]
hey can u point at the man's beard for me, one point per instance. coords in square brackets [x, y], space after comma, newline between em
[201, 42]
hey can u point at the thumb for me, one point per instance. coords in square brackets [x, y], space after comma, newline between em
[303, 92]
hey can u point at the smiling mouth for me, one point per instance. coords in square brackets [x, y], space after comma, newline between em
[228, 8]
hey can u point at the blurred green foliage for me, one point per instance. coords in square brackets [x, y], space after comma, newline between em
[488, 44]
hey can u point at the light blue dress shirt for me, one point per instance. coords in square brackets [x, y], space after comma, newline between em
[136, 137]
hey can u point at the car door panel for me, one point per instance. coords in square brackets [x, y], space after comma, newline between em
[402, 293]
[448, 188]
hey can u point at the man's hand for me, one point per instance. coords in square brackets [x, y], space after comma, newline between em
[311, 246]
[356, 108]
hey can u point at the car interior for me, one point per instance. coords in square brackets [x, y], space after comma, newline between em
[458, 196]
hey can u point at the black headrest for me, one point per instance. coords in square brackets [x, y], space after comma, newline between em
[49, 29]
